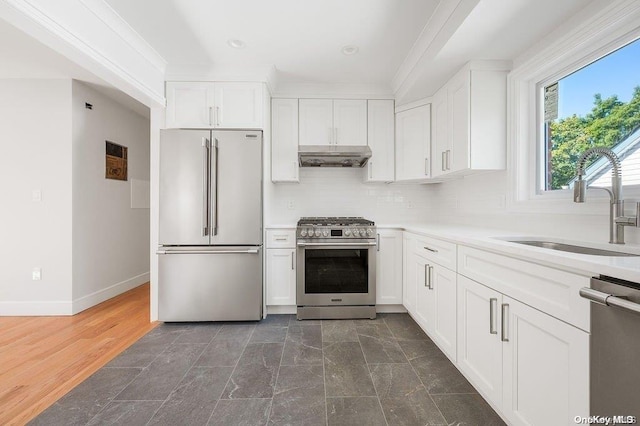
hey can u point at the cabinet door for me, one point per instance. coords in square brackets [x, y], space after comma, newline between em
[389, 268]
[316, 122]
[479, 345]
[424, 296]
[413, 143]
[281, 277]
[440, 143]
[189, 105]
[459, 106]
[284, 140]
[546, 368]
[350, 122]
[380, 138]
[443, 319]
[238, 105]
[409, 279]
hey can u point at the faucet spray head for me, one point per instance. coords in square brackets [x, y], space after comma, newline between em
[580, 190]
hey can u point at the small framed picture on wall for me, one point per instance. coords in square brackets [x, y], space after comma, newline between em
[116, 161]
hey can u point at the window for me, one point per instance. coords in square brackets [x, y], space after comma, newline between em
[595, 106]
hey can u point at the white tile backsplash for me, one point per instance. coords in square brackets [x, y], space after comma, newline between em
[342, 192]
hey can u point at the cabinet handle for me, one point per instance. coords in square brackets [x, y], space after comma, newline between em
[430, 277]
[281, 239]
[293, 253]
[448, 159]
[210, 116]
[370, 169]
[330, 135]
[295, 169]
[217, 116]
[493, 304]
[335, 139]
[444, 160]
[378, 243]
[426, 275]
[505, 322]
[426, 166]
[430, 249]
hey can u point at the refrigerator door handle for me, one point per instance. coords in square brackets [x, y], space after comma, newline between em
[205, 187]
[249, 251]
[215, 207]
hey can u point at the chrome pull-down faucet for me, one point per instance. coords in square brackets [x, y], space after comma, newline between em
[617, 219]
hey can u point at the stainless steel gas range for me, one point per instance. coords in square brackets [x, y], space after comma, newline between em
[336, 268]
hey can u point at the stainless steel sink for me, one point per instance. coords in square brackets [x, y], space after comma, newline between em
[571, 248]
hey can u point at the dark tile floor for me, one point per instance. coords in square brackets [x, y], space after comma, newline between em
[277, 372]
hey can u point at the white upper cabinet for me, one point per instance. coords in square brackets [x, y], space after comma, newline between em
[284, 140]
[190, 105]
[329, 122]
[316, 121]
[350, 122]
[224, 105]
[413, 144]
[381, 138]
[470, 120]
[238, 105]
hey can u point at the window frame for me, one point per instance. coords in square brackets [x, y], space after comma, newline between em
[571, 47]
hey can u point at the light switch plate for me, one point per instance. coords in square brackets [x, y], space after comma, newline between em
[36, 274]
[36, 195]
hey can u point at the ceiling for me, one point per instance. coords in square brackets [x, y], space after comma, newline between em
[407, 48]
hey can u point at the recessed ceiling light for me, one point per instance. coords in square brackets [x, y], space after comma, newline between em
[350, 50]
[235, 43]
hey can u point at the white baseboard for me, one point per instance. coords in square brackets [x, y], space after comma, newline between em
[86, 302]
[390, 309]
[35, 308]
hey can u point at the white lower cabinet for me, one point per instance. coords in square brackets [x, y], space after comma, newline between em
[389, 267]
[281, 276]
[534, 368]
[409, 278]
[442, 320]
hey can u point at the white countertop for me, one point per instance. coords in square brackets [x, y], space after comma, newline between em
[627, 268]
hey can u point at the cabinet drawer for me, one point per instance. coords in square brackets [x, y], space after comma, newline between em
[281, 238]
[547, 289]
[437, 251]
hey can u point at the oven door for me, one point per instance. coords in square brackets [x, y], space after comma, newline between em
[335, 274]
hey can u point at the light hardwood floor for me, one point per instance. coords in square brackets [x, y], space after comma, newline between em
[42, 358]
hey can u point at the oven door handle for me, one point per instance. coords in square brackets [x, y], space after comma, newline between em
[342, 245]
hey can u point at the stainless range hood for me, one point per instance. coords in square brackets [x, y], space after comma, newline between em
[333, 155]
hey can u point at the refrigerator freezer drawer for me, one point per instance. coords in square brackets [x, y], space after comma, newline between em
[210, 283]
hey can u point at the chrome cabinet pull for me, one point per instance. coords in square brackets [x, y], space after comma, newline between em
[430, 277]
[335, 138]
[430, 249]
[293, 253]
[448, 159]
[444, 161]
[505, 322]
[378, 243]
[426, 166]
[370, 169]
[205, 187]
[330, 134]
[217, 116]
[426, 275]
[210, 116]
[493, 305]
[295, 169]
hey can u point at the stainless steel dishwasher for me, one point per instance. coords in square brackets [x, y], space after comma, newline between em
[615, 347]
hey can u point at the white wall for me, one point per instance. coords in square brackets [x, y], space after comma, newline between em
[35, 136]
[110, 238]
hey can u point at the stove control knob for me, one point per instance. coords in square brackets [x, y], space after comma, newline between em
[369, 232]
[347, 232]
[317, 232]
[303, 233]
[355, 232]
[325, 233]
[362, 232]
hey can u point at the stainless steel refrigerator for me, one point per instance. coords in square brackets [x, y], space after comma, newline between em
[210, 236]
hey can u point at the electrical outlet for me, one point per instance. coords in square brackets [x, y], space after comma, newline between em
[291, 205]
[411, 205]
[36, 274]
[36, 195]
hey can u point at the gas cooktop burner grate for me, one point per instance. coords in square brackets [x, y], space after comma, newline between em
[334, 221]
